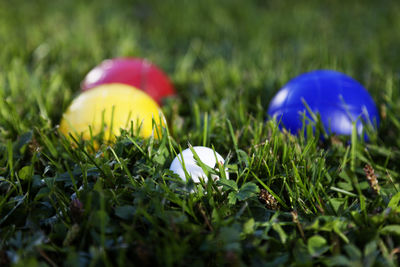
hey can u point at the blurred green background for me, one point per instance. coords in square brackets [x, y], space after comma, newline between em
[277, 39]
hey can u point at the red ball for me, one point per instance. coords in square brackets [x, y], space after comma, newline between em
[136, 72]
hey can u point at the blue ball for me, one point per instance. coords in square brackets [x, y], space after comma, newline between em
[338, 98]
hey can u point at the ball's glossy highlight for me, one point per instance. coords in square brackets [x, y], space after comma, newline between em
[108, 108]
[136, 72]
[339, 99]
[206, 156]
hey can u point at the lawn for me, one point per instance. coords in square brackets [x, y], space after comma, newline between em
[292, 200]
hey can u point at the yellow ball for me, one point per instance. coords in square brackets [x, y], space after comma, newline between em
[109, 108]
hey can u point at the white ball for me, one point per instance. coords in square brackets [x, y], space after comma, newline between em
[206, 156]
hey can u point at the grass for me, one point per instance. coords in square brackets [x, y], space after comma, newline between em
[289, 201]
